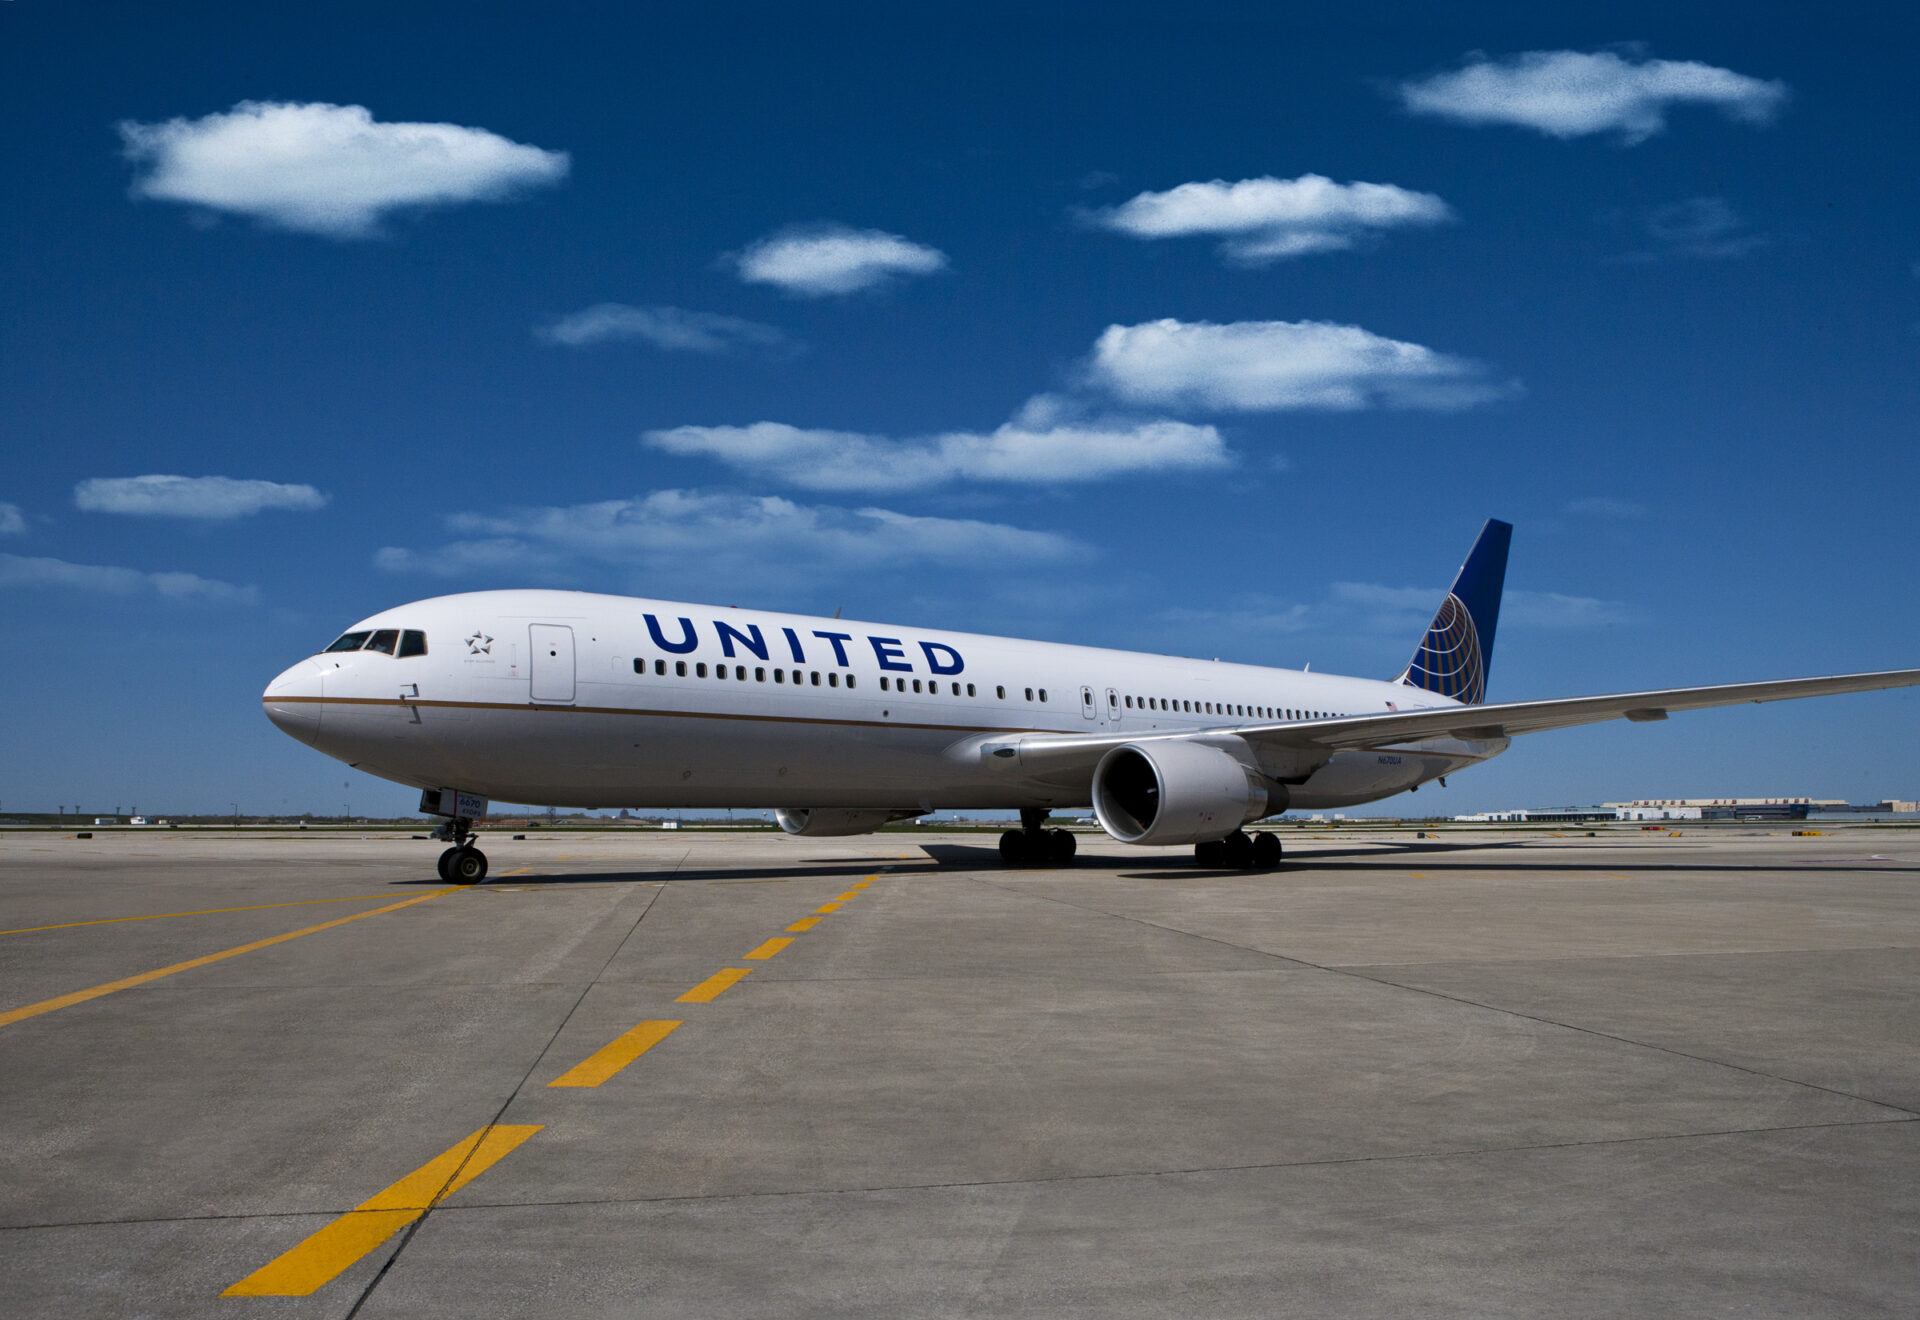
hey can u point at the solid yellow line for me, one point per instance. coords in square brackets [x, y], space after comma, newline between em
[770, 948]
[713, 987]
[1416, 875]
[829, 907]
[805, 923]
[611, 1058]
[321, 1258]
[7, 1019]
[203, 912]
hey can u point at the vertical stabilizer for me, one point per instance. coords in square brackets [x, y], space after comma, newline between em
[1457, 652]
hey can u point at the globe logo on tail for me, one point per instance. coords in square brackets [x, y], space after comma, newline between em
[1449, 660]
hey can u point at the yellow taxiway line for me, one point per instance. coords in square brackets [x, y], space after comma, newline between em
[714, 986]
[611, 1058]
[203, 912]
[12, 1016]
[321, 1258]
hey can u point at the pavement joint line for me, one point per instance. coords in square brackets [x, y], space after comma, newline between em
[1336, 969]
[1452, 1153]
[322, 1257]
[406, 1237]
[203, 912]
[24, 1012]
[714, 986]
[610, 1058]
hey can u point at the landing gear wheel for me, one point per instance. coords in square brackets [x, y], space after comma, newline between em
[1210, 853]
[1266, 851]
[446, 860]
[1061, 847]
[1013, 847]
[467, 866]
[1237, 851]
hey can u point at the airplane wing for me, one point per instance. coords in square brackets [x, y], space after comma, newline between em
[1055, 753]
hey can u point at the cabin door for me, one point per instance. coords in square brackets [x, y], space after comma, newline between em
[550, 661]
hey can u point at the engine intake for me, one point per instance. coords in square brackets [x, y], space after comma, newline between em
[1174, 792]
[837, 822]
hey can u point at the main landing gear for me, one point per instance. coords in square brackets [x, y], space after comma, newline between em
[1035, 845]
[1239, 851]
[462, 864]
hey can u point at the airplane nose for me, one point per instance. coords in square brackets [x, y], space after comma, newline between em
[292, 701]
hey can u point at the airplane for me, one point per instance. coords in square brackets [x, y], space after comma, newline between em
[568, 698]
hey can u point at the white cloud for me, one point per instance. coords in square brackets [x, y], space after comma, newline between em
[100, 579]
[1266, 219]
[830, 259]
[1706, 227]
[12, 521]
[1271, 365]
[1603, 506]
[1565, 93]
[159, 496]
[327, 169]
[850, 461]
[671, 328]
[1552, 611]
[722, 537]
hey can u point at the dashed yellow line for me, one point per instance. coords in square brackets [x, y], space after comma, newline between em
[203, 912]
[830, 907]
[768, 949]
[7, 1019]
[805, 923]
[321, 1258]
[611, 1058]
[714, 986]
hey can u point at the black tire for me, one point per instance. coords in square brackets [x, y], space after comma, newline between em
[1237, 851]
[468, 867]
[1210, 853]
[445, 864]
[1061, 847]
[1013, 847]
[1266, 851]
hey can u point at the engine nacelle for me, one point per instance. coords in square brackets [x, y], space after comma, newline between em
[836, 822]
[1174, 792]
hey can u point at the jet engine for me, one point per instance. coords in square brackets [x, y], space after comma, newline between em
[835, 822]
[1174, 792]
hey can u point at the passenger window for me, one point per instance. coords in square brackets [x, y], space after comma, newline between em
[1000, 691]
[700, 670]
[680, 668]
[816, 678]
[916, 685]
[350, 642]
[969, 689]
[833, 678]
[719, 671]
[1043, 694]
[850, 680]
[412, 642]
[660, 668]
[759, 674]
[639, 665]
[779, 675]
[1029, 694]
[884, 685]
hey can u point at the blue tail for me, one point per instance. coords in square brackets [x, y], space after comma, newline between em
[1457, 651]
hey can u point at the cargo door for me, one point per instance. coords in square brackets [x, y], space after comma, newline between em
[550, 661]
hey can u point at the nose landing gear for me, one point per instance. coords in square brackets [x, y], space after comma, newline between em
[1035, 845]
[462, 864]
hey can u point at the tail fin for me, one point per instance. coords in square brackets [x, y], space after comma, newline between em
[1457, 652]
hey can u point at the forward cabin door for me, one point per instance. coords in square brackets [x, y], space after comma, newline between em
[550, 661]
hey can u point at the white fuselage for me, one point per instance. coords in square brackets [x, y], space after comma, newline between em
[574, 699]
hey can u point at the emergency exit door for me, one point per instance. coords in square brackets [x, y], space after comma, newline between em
[550, 661]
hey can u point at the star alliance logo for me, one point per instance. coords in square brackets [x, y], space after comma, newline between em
[479, 644]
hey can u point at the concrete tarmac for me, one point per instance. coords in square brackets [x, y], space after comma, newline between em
[1479, 1075]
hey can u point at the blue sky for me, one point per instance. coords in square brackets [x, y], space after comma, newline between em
[1209, 329]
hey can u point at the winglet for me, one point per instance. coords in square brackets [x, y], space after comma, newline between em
[1457, 652]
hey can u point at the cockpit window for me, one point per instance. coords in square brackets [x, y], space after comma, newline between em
[413, 642]
[350, 642]
[384, 641]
